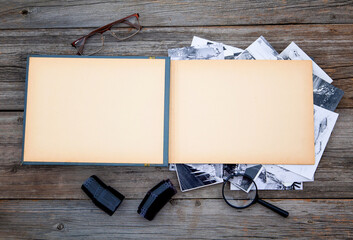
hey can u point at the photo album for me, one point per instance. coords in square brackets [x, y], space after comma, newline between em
[199, 109]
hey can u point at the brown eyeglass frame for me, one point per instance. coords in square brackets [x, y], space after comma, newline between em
[105, 28]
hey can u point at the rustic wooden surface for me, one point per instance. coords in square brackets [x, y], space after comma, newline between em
[45, 202]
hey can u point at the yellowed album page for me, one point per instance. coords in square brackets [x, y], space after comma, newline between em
[95, 110]
[241, 111]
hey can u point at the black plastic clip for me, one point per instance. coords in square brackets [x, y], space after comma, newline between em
[103, 196]
[156, 198]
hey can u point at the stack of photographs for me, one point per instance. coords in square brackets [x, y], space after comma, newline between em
[267, 177]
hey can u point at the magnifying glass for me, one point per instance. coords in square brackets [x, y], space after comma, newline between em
[240, 191]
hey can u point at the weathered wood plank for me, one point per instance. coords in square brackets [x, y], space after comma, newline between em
[68, 14]
[332, 180]
[329, 45]
[12, 95]
[332, 50]
[179, 219]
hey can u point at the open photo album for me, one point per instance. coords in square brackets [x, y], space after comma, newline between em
[155, 111]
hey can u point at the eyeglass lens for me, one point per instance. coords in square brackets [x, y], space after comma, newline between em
[126, 29]
[93, 44]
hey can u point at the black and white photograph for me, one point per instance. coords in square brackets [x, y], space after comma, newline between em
[261, 49]
[208, 52]
[326, 95]
[293, 52]
[283, 175]
[194, 176]
[324, 122]
[230, 52]
[275, 178]
[251, 171]
[245, 55]
[269, 181]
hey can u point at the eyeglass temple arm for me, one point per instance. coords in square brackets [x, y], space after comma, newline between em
[124, 19]
[108, 26]
[278, 210]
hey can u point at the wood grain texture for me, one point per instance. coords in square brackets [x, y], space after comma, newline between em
[46, 202]
[332, 180]
[179, 219]
[330, 45]
[33, 14]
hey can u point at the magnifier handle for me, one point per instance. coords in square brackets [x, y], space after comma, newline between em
[273, 208]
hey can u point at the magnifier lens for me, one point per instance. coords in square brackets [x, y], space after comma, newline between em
[239, 191]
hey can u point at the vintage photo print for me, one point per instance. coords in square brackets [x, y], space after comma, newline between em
[214, 51]
[269, 181]
[194, 176]
[270, 177]
[293, 52]
[229, 51]
[326, 95]
[259, 50]
[245, 55]
[243, 183]
[282, 175]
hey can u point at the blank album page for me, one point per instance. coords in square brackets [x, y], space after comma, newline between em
[95, 110]
[224, 111]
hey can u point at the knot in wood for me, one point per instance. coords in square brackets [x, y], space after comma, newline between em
[172, 202]
[60, 226]
[24, 12]
[20, 120]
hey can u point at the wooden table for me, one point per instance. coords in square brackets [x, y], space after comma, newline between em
[46, 202]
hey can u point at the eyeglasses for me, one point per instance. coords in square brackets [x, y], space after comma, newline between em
[121, 29]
